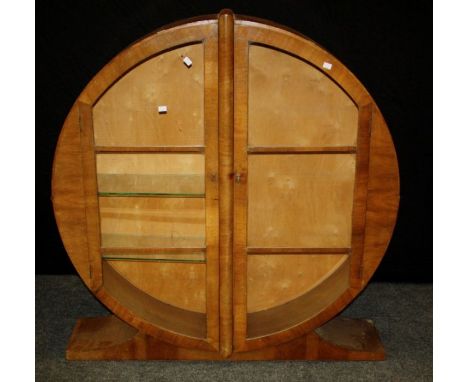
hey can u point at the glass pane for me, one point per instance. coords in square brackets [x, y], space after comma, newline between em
[128, 113]
[301, 200]
[182, 285]
[273, 280]
[152, 222]
[292, 103]
[157, 257]
[179, 175]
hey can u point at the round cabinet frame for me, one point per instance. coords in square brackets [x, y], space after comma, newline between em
[325, 166]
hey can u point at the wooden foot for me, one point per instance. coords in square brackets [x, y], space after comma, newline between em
[108, 338]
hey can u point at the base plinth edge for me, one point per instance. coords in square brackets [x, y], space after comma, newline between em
[109, 338]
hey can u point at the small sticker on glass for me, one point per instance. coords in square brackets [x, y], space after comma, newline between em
[187, 61]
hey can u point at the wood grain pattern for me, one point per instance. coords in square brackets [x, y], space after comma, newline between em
[300, 309]
[161, 40]
[127, 114]
[154, 250]
[152, 222]
[108, 338]
[240, 191]
[151, 314]
[276, 280]
[212, 191]
[178, 284]
[67, 195]
[88, 161]
[291, 103]
[159, 257]
[226, 167]
[267, 34]
[152, 149]
[382, 197]
[360, 192]
[297, 251]
[300, 200]
[151, 173]
[302, 150]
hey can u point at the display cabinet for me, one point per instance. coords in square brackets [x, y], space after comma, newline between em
[225, 187]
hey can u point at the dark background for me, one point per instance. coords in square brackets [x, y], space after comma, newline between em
[387, 45]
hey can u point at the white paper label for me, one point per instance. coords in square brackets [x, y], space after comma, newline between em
[187, 62]
[327, 65]
[162, 109]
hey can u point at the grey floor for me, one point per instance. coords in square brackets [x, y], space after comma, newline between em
[401, 312]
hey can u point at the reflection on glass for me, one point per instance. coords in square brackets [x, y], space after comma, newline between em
[156, 257]
[148, 222]
[154, 194]
[151, 174]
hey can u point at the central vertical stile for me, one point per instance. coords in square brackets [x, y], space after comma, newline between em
[226, 128]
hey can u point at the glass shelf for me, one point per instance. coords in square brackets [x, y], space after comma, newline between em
[152, 222]
[168, 175]
[151, 194]
[151, 200]
[197, 258]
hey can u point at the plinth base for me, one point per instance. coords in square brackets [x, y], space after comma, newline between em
[109, 338]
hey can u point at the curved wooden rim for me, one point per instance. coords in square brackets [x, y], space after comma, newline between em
[155, 43]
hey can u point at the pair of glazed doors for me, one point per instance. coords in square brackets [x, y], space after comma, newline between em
[225, 167]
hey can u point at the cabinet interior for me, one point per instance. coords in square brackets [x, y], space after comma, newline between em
[151, 161]
[150, 167]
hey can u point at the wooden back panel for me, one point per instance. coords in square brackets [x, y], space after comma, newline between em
[127, 114]
[300, 200]
[152, 222]
[274, 280]
[153, 173]
[298, 310]
[292, 103]
[180, 284]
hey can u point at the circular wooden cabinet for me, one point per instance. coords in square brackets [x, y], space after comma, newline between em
[225, 187]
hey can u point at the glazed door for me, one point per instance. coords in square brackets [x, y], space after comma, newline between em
[299, 140]
[150, 143]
